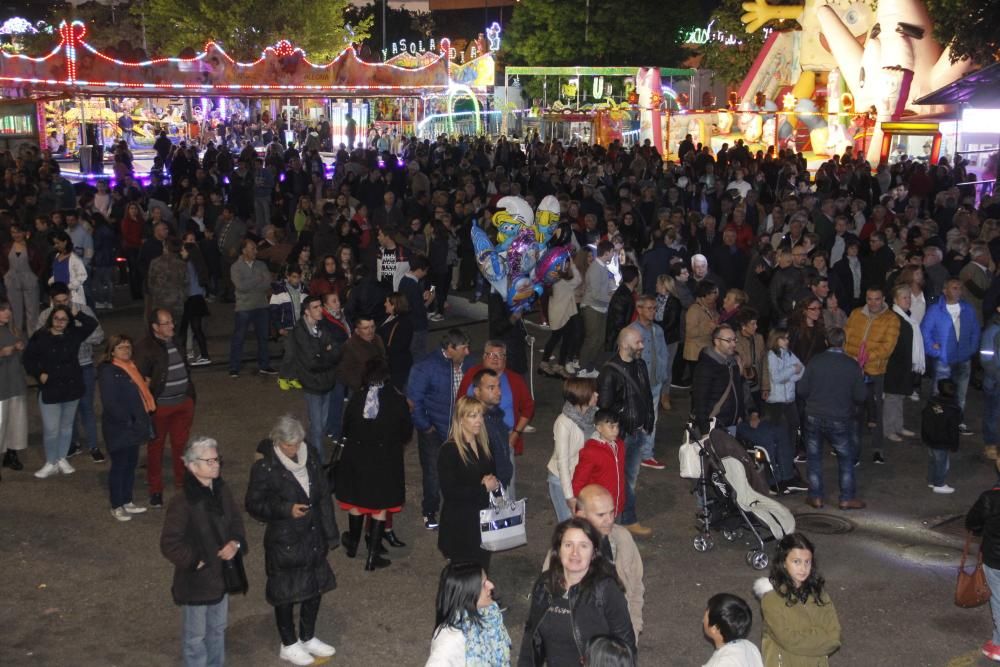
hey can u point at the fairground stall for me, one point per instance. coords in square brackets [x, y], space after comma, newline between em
[93, 98]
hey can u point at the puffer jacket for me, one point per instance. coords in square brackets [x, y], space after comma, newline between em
[629, 396]
[294, 549]
[801, 635]
[937, 329]
[783, 375]
[880, 340]
[984, 519]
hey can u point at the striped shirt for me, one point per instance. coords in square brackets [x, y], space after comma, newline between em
[175, 389]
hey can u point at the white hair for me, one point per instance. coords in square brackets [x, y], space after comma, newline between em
[699, 259]
[196, 445]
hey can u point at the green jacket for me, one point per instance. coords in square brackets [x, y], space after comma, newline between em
[803, 635]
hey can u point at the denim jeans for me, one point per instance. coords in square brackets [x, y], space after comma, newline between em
[993, 579]
[837, 433]
[103, 283]
[959, 374]
[558, 499]
[121, 476]
[244, 318]
[318, 409]
[57, 427]
[633, 457]
[649, 439]
[938, 464]
[991, 411]
[429, 445]
[85, 414]
[774, 439]
[204, 633]
[335, 410]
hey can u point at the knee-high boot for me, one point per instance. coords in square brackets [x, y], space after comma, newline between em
[353, 536]
[375, 560]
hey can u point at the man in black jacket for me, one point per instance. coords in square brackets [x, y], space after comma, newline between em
[621, 308]
[623, 386]
[832, 387]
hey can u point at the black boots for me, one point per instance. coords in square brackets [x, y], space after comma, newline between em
[375, 560]
[352, 537]
[11, 461]
[391, 538]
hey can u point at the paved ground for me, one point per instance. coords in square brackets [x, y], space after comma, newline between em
[78, 588]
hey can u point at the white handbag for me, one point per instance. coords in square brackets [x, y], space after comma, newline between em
[502, 524]
[689, 455]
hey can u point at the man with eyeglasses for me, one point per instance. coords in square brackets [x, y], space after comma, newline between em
[515, 397]
[719, 390]
[159, 359]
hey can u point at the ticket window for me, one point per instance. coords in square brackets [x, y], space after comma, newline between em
[917, 141]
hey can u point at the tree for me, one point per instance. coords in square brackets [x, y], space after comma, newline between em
[730, 63]
[400, 24]
[245, 28]
[969, 26]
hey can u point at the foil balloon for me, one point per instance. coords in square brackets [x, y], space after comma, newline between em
[514, 217]
[523, 292]
[552, 264]
[521, 253]
[546, 218]
[490, 262]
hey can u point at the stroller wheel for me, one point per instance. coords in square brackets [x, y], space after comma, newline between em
[757, 560]
[703, 543]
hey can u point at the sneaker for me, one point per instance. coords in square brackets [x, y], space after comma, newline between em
[800, 458]
[435, 317]
[944, 489]
[907, 433]
[431, 521]
[682, 387]
[878, 458]
[47, 470]
[587, 374]
[234, 374]
[156, 501]
[267, 370]
[915, 397]
[894, 438]
[295, 384]
[74, 449]
[572, 368]
[651, 462]
[64, 467]
[991, 651]
[202, 361]
[964, 430]
[796, 484]
[318, 648]
[639, 530]
[283, 384]
[97, 456]
[530, 429]
[295, 654]
[120, 514]
[132, 508]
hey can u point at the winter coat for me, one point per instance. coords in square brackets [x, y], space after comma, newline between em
[124, 420]
[601, 611]
[699, 322]
[58, 356]
[832, 386]
[783, 376]
[312, 360]
[167, 283]
[801, 635]
[294, 549]
[938, 329]
[430, 391]
[880, 339]
[463, 495]
[753, 354]
[602, 463]
[899, 370]
[984, 519]
[355, 354]
[77, 277]
[712, 375]
[939, 423]
[562, 303]
[784, 285]
[673, 316]
[370, 471]
[281, 308]
[397, 334]
[621, 310]
[188, 538]
[624, 388]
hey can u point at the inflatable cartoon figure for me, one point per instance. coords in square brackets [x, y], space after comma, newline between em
[650, 89]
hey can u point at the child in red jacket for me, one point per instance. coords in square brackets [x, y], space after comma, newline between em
[602, 460]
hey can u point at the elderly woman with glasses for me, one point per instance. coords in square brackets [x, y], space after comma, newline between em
[202, 530]
[52, 356]
[288, 491]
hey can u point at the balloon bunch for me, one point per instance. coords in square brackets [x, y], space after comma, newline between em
[521, 264]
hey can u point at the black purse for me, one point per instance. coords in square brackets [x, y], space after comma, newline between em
[234, 574]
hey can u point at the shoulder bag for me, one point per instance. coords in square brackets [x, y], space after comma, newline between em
[971, 590]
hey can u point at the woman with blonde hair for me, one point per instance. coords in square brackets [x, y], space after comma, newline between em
[467, 474]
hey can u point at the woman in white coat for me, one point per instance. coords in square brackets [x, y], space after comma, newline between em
[67, 267]
[570, 431]
[564, 320]
[468, 626]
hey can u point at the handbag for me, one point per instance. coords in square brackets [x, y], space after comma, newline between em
[501, 525]
[971, 589]
[689, 455]
[234, 574]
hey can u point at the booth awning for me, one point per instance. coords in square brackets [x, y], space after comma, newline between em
[979, 89]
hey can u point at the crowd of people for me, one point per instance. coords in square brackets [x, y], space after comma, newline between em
[808, 308]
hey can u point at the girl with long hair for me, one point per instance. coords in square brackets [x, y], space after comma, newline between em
[800, 622]
[467, 474]
[468, 625]
[13, 390]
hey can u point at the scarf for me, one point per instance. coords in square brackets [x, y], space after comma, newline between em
[487, 643]
[140, 383]
[296, 467]
[371, 401]
[583, 420]
[918, 360]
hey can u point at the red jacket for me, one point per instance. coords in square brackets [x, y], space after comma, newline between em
[600, 463]
[524, 404]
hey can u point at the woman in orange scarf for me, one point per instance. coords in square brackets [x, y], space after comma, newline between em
[127, 405]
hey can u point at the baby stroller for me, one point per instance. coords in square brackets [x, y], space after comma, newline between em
[732, 494]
